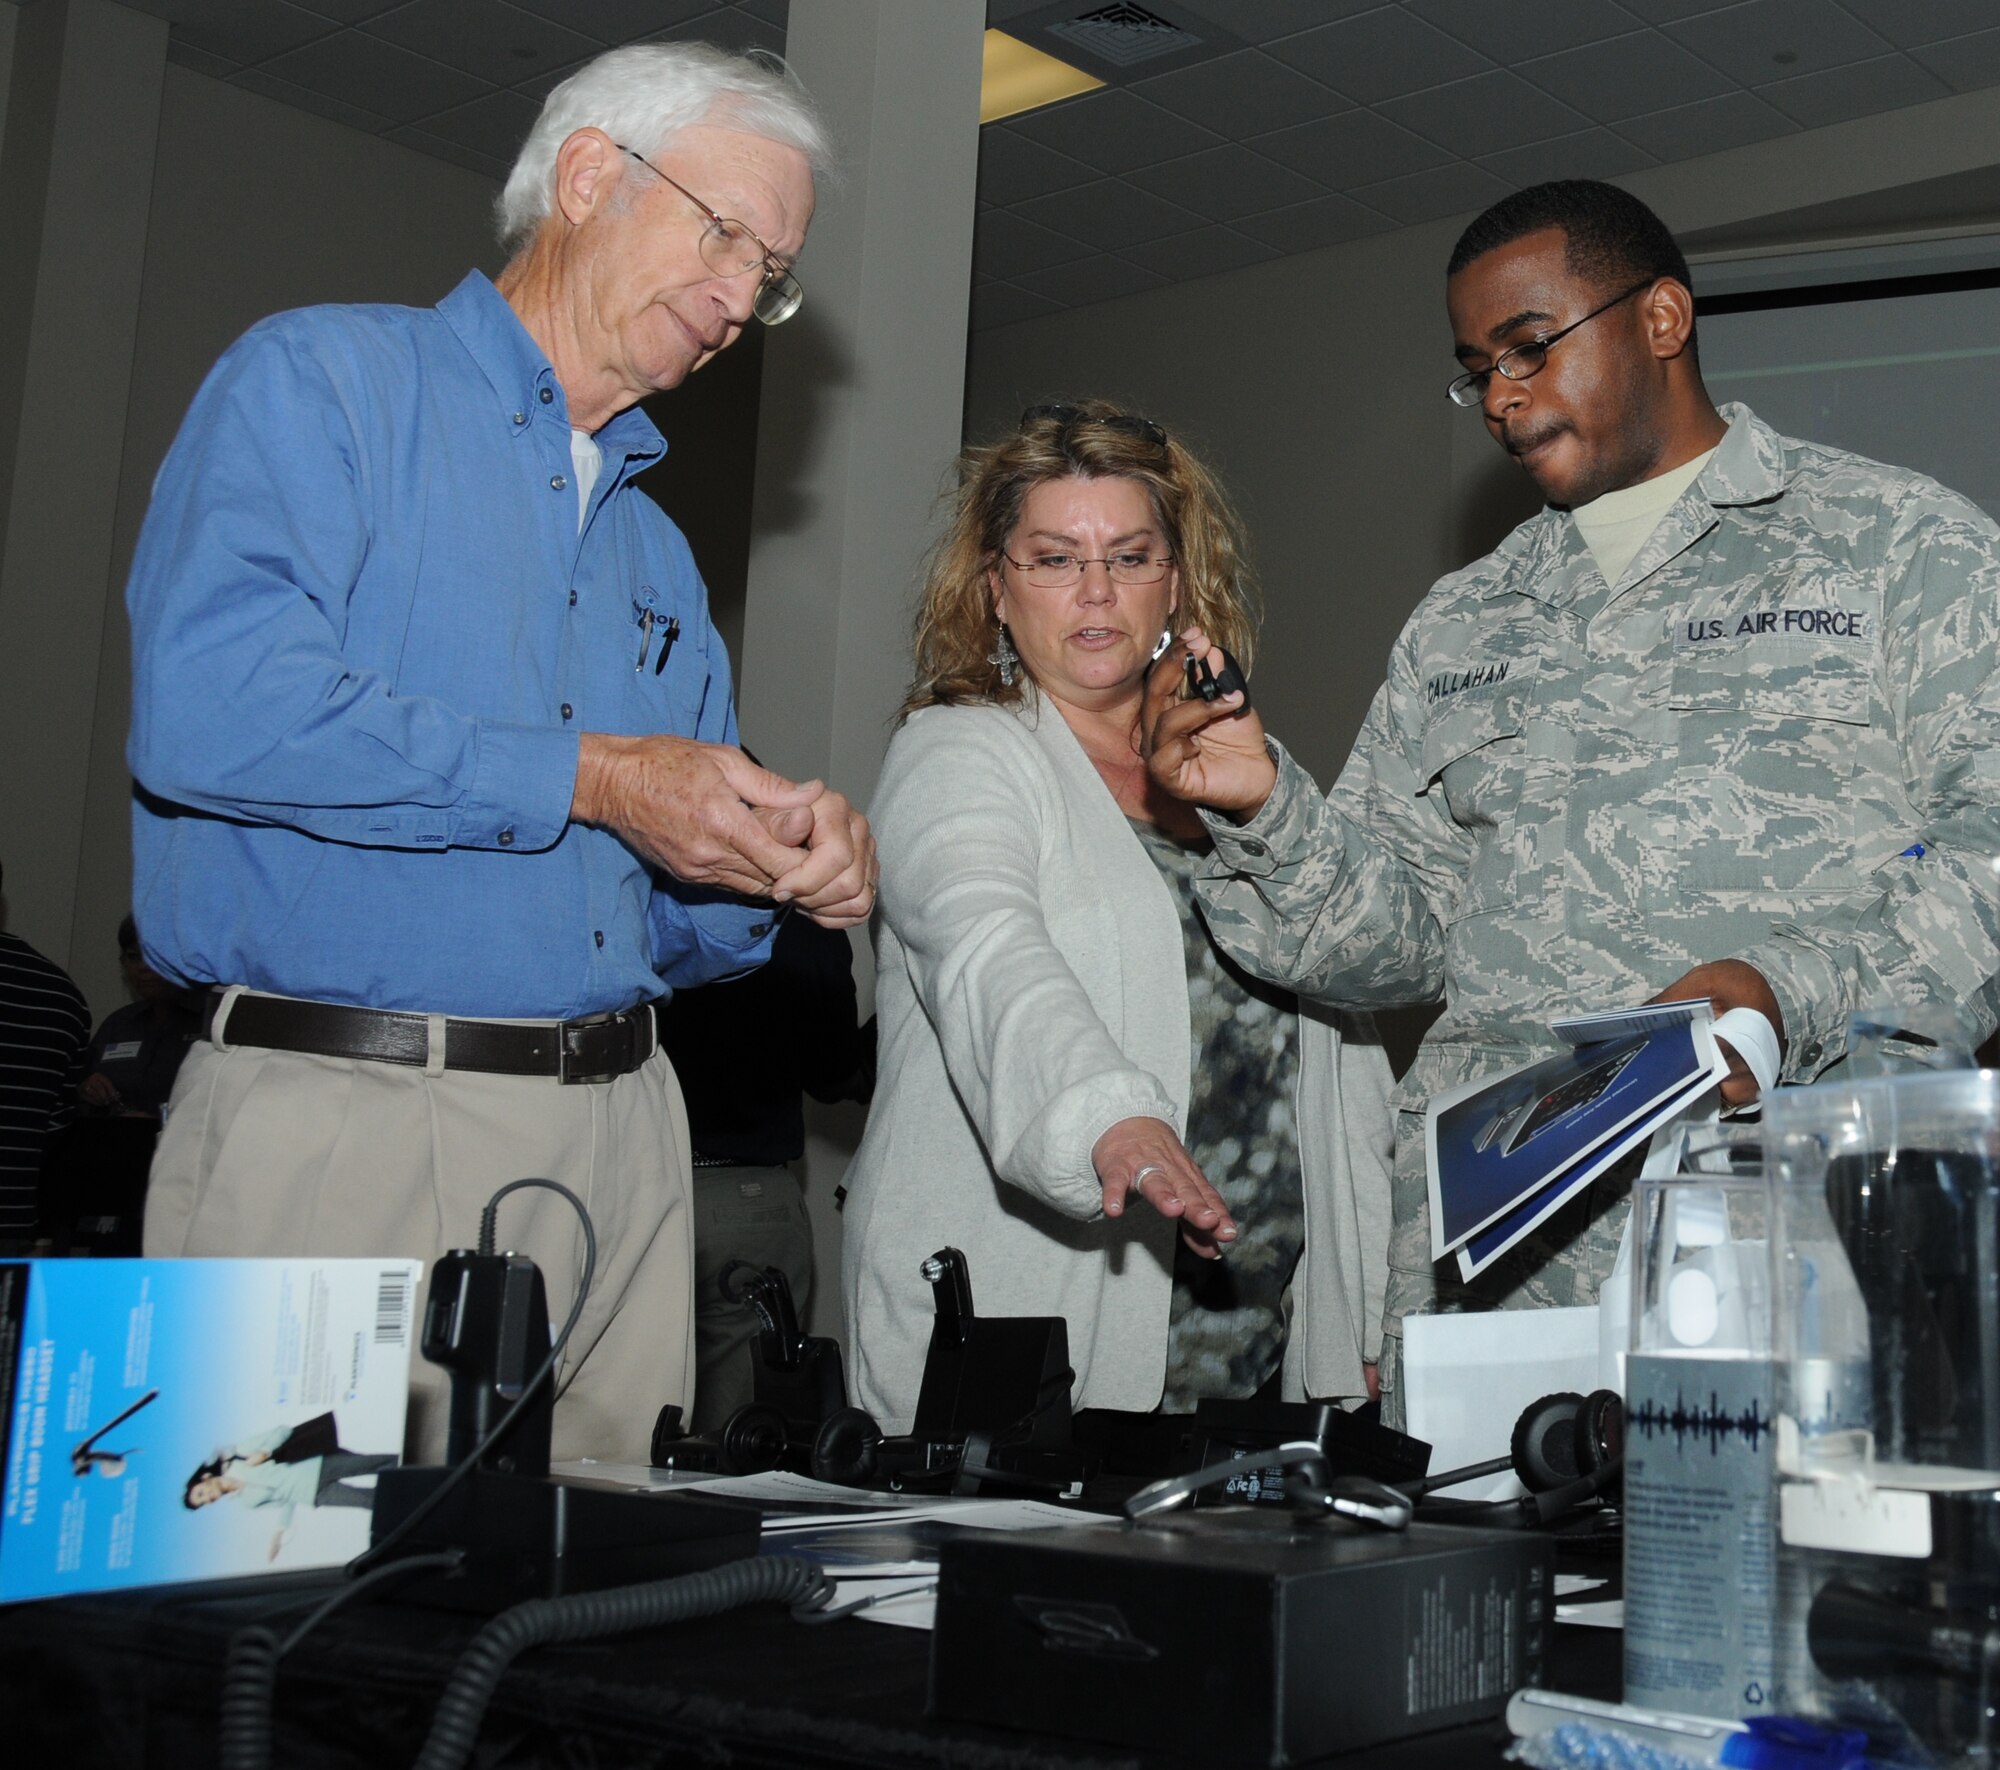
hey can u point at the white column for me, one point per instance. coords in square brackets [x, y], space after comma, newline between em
[76, 180]
[863, 393]
[860, 416]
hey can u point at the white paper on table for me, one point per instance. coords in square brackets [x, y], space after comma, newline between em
[1468, 1378]
[1575, 1604]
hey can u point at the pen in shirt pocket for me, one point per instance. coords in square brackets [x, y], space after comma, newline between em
[647, 621]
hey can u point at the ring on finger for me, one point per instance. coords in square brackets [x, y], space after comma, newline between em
[1139, 1178]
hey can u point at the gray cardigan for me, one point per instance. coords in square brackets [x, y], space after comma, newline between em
[1032, 993]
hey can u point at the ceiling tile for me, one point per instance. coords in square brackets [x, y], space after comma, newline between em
[1206, 252]
[1595, 153]
[1709, 127]
[619, 21]
[1659, 12]
[1224, 182]
[498, 43]
[1965, 64]
[454, 153]
[1507, 33]
[1113, 131]
[1485, 114]
[1003, 244]
[539, 85]
[1777, 39]
[1259, 21]
[1012, 168]
[1222, 93]
[727, 28]
[1457, 189]
[1103, 278]
[198, 61]
[1380, 54]
[319, 104]
[1109, 214]
[402, 86]
[1325, 221]
[349, 12]
[1907, 23]
[1356, 147]
[1625, 76]
[495, 125]
[1001, 304]
[241, 31]
[1861, 89]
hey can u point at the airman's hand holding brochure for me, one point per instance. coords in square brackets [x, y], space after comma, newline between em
[1505, 1153]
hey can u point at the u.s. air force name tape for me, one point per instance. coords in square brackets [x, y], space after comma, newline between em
[1753, 1038]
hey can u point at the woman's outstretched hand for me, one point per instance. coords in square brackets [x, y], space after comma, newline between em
[1143, 1156]
[1209, 753]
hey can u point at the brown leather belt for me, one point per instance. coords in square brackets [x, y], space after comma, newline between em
[597, 1048]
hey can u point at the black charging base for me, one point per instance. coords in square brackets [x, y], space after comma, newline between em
[527, 1537]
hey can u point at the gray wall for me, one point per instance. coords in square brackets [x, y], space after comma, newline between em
[1316, 386]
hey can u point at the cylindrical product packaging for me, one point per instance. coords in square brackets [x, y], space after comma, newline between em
[1886, 1323]
[1699, 1536]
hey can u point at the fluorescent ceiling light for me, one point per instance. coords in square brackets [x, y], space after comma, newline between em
[1017, 77]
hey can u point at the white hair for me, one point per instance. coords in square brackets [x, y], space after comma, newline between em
[644, 95]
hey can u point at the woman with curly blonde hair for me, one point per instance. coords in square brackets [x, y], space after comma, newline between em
[1059, 1034]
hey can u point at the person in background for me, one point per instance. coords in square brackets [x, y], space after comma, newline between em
[44, 1028]
[1112, 1121]
[136, 1052]
[1722, 721]
[745, 1051]
[467, 799]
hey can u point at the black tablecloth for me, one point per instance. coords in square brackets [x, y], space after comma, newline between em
[133, 1680]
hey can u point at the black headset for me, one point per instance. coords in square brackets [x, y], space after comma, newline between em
[1569, 1448]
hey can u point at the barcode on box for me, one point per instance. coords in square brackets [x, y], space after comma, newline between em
[392, 1308]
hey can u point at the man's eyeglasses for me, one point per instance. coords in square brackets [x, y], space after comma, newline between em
[1067, 417]
[1526, 360]
[1064, 571]
[729, 249]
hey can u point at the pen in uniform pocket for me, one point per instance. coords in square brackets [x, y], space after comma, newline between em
[645, 636]
[666, 644]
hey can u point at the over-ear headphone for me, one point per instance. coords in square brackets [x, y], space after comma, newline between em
[1568, 1448]
[844, 1449]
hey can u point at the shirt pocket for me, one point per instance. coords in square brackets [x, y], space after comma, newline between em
[1475, 755]
[1767, 746]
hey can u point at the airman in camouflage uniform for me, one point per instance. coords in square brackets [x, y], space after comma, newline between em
[1776, 738]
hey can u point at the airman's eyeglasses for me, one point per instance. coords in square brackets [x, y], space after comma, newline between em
[1527, 360]
[729, 249]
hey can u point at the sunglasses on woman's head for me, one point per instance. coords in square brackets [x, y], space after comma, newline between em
[1068, 417]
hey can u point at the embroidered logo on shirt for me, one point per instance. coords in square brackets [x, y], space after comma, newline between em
[1450, 682]
[1797, 623]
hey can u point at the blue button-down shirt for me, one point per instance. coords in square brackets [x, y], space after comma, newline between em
[366, 635]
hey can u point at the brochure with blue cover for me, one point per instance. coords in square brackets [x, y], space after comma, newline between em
[1505, 1153]
[165, 1420]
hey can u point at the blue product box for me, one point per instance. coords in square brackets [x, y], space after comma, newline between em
[165, 1420]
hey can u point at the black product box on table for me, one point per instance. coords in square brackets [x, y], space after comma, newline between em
[1240, 1637]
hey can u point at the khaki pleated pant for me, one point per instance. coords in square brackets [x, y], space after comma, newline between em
[276, 1153]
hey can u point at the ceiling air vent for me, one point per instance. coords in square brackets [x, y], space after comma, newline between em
[1124, 35]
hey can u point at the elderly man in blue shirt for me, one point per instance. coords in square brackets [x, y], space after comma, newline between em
[460, 798]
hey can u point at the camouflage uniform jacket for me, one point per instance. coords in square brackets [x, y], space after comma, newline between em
[1776, 738]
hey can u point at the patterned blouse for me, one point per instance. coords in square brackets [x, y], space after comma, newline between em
[1226, 1336]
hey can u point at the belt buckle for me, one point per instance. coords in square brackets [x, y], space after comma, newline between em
[576, 1045]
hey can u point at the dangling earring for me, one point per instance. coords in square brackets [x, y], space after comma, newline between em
[1004, 655]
